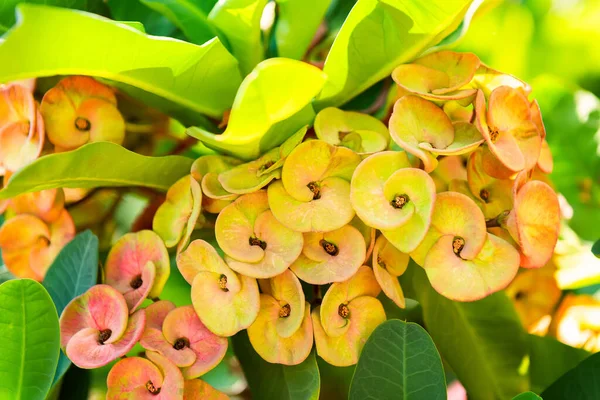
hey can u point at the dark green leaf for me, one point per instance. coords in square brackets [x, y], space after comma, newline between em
[297, 22]
[483, 342]
[580, 383]
[377, 36]
[239, 22]
[72, 273]
[97, 164]
[276, 381]
[550, 359]
[527, 396]
[189, 18]
[134, 10]
[7, 9]
[203, 79]
[29, 340]
[76, 384]
[596, 248]
[5, 274]
[399, 361]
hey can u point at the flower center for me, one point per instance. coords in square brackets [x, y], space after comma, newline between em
[151, 388]
[285, 311]
[493, 134]
[266, 166]
[254, 241]
[381, 262]
[104, 335]
[82, 124]
[399, 201]
[329, 247]
[136, 282]
[484, 194]
[457, 245]
[181, 343]
[344, 311]
[223, 283]
[316, 189]
[519, 295]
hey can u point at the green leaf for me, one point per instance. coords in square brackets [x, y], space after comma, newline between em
[7, 9]
[272, 104]
[527, 396]
[5, 274]
[29, 340]
[133, 10]
[452, 39]
[550, 359]
[399, 361]
[189, 18]
[239, 22]
[335, 381]
[276, 381]
[71, 274]
[596, 248]
[95, 165]
[200, 78]
[377, 36]
[572, 120]
[580, 383]
[483, 341]
[297, 22]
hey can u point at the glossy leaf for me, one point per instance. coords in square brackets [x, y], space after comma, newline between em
[483, 341]
[297, 22]
[580, 383]
[72, 273]
[462, 29]
[399, 361]
[134, 10]
[550, 359]
[202, 79]
[239, 22]
[272, 104]
[97, 164]
[379, 35]
[276, 381]
[189, 18]
[29, 340]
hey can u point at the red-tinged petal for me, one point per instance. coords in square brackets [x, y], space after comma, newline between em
[184, 330]
[129, 256]
[545, 162]
[85, 350]
[537, 215]
[46, 204]
[128, 378]
[136, 296]
[198, 389]
[102, 307]
[493, 268]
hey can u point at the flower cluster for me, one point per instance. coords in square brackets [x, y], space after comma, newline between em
[310, 234]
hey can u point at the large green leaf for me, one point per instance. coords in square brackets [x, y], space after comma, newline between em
[71, 274]
[29, 340]
[483, 342]
[239, 22]
[550, 359]
[272, 103]
[572, 120]
[7, 9]
[399, 361]
[187, 16]
[95, 165]
[580, 383]
[276, 381]
[378, 35]
[297, 22]
[63, 42]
